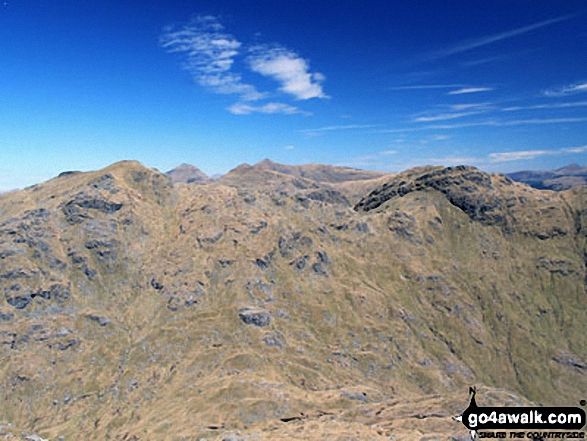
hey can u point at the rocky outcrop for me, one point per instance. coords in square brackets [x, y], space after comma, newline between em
[76, 210]
[254, 316]
[493, 200]
[465, 187]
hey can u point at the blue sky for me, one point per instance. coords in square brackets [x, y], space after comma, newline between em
[384, 85]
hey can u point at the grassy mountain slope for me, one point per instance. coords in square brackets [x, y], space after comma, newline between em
[138, 309]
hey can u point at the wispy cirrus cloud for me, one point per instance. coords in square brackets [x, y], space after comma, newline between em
[581, 149]
[465, 90]
[570, 89]
[268, 108]
[212, 56]
[499, 58]
[467, 45]
[546, 106]
[402, 130]
[209, 56]
[289, 69]
[388, 152]
[342, 127]
[495, 157]
[320, 130]
[539, 121]
[425, 86]
[483, 160]
[487, 106]
[521, 155]
[482, 61]
[444, 116]
[502, 123]
[470, 106]
[494, 122]
[379, 161]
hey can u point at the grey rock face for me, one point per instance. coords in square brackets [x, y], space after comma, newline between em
[255, 316]
[102, 321]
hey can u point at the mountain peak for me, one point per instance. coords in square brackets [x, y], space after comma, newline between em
[571, 169]
[126, 164]
[187, 173]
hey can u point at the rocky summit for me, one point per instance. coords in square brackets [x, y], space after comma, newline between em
[286, 302]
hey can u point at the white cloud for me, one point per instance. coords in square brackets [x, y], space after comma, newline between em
[581, 149]
[426, 86]
[444, 116]
[470, 90]
[289, 147]
[457, 158]
[320, 130]
[467, 45]
[210, 54]
[402, 130]
[440, 137]
[519, 155]
[536, 121]
[269, 108]
[469, 106]
[532, 154]
[481, 61]
[289, 69]
[498, 123]
[483, 123]
[566, 90]
[546, 106]
[388, 152]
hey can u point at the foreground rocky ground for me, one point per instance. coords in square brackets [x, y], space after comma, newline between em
[285, 303]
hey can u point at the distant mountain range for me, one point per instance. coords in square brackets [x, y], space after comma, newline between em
[564, 178]
[561, 179]
[316, 172]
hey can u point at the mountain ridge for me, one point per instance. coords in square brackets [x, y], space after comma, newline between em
[564, 178]
[134, 307]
